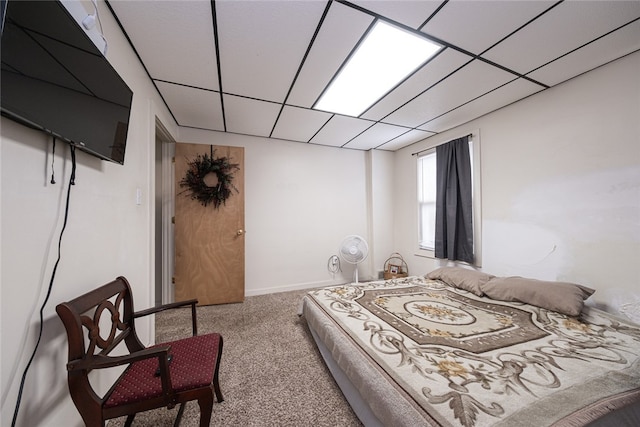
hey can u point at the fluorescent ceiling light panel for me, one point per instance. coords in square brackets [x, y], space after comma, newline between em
[386, 56]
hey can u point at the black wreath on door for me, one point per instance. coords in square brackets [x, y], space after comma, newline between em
[209, 179]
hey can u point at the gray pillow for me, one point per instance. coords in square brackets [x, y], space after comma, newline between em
[463, 278]
[563, 297]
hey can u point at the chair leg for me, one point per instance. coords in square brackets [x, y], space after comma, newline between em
[176, 423]
[129, 420]
[93, 419]
[216, 383]
[206, 407]
[216, 387]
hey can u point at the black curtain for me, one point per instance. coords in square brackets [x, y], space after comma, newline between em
[454, 224]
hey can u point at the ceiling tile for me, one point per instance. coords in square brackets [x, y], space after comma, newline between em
[437, 69]
[565, 27]
[157, 30]
[339, 130]
[249, 116]
[262, 44]
[407, 12]
[477, 25]
[299, 124]
[466, 84]
[193, 107]
[406, 139]
[606, 49]
[376, 135]
[505, 95]
[339, 34]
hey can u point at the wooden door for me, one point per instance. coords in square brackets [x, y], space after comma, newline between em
[209, 241]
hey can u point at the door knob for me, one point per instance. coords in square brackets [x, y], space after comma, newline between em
[240, 232]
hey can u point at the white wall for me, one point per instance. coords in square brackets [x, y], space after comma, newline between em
[381, 208]
[301, 200]
[107, 235]
[560, 186]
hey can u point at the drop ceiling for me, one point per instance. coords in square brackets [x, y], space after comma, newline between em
[257, 67]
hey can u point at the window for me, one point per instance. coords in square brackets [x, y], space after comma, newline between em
[427, 200]
[426, 174]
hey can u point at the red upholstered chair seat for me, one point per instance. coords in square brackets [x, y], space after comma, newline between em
[193, 365]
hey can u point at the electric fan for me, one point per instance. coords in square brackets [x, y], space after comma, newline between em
[354, 249]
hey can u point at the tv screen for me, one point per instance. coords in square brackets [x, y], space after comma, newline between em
[55, 79]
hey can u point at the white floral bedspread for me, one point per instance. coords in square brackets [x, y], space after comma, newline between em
[471, 361]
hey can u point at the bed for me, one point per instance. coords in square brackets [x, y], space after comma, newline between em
[461, 348]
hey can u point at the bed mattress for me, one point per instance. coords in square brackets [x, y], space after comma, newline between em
[421, 352]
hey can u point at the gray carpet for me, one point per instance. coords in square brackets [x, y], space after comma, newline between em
[271, 373]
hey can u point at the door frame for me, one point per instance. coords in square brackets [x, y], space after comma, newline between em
[165, 196]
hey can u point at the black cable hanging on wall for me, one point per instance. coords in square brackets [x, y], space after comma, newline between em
[53, 275]
[53, 156]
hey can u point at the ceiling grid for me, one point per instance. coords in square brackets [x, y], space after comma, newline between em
[257, 68]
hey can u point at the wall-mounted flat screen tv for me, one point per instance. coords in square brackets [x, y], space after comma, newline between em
[55, 79]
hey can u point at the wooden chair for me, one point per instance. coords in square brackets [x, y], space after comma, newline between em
[161, 375]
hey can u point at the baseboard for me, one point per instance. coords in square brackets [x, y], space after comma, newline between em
[293, 287]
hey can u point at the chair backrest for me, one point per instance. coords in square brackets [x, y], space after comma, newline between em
[108, 308]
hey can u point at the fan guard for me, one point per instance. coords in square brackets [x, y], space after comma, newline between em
[354, 249]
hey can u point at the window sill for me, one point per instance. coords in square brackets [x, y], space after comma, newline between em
[424, 253]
